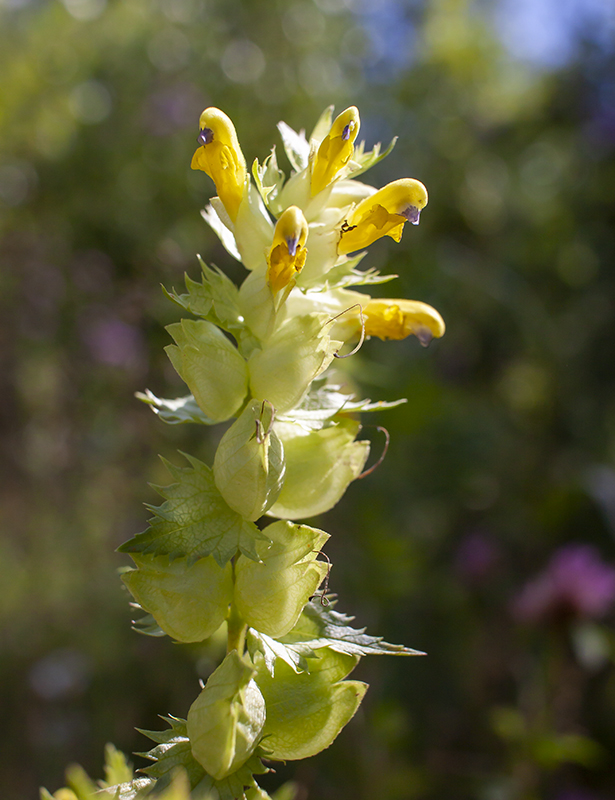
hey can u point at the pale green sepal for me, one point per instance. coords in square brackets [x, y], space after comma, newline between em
[249, 462]
[253, 228]
[295, 192]
[345, 274]
[323, 403]
[175, 411]
[296, 353]
[364, 161]
[306, 712]
[173, 752]
[321, 253]
[215, 299]
[188, 602]
[225, 722]
[146, 624]
[322, 127]
[194, 521]
[271, 595]
[320, 464]
[257, 304]
[210, 365]
[296, 146]
[268, 177]
[211, 215]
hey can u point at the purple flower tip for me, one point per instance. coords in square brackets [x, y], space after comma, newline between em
[412, 214]
[206, 136]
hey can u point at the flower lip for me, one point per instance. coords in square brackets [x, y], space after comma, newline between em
[206, 136]
[412, 214]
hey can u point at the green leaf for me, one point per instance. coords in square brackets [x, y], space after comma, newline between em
[146, 624]
[211, 366]
[117, 767]
[175, 411]
[296, 146]
[189, 602]
[226, 720]
[194, 521]
[321, 626]
[326, 401]
[306, 711]
[320, 464]
[364, 161]
[270, 595]
[215, 299]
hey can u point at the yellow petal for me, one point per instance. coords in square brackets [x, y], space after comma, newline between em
[389, 318]
[221, 158]
[336, 149]
[287, 254]
[383, 214]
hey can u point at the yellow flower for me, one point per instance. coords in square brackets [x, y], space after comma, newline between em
[336, 149]
[383, 214]
[287, 254]
[396, 318]
[220, 156]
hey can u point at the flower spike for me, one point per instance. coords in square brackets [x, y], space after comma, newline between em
[336, 149]
[220, 156]
[287, 254]
[383, 214]
[397, 318]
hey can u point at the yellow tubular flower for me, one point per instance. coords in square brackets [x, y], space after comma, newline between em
[383, 214]
[287, 254]
[336, 149]
[221, 158]
[395, 319]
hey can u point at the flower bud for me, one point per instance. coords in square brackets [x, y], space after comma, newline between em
[397, 318]
[189, 603]
[270, 595]
[287, 254]
[249, 462]
[383, 214]
[210, 365]
[225, 722]
[336, 149]
[220, 156]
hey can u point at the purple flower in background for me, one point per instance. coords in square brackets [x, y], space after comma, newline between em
[575, 583]
[117, 343]
[477, 556]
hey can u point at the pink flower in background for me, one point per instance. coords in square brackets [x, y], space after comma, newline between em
[575, 583]
[477, 557]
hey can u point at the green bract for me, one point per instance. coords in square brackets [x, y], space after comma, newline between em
[271, 595]
[188, 602]
[319, 466]
[226, 720]
[210, 365]
[249, 463]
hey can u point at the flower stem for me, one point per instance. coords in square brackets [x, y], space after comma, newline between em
[236, 632]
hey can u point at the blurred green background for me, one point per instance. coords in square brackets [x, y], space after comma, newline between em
[465, 543]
